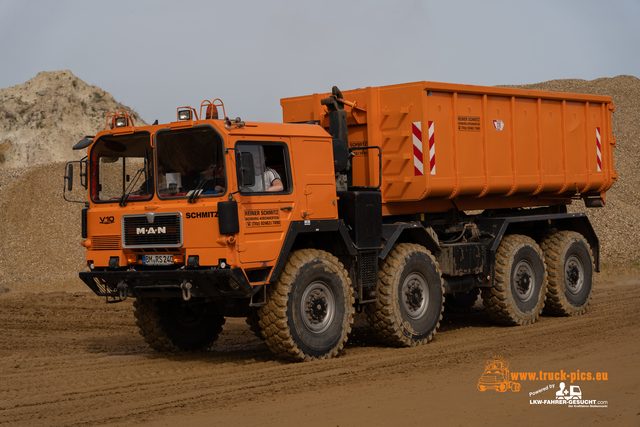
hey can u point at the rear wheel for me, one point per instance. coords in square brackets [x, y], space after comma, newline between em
[310, 308]
[570, 273]
[410, 304]
[518, 291]
[173, 325]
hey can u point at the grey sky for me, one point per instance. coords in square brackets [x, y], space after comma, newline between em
[155, 56]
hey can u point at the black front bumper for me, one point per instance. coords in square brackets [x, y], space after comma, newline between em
[229, 283]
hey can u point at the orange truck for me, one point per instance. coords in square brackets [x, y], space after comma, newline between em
[384, 199]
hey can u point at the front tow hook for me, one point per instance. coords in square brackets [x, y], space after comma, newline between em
[123, 290]
[186, 290]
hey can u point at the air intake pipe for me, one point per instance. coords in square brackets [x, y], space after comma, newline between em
[338, 130]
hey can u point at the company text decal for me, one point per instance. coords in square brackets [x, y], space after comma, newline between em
[262, 217]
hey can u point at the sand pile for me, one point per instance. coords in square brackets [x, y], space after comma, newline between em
[41, 119]
[618, 223]
[40, 232]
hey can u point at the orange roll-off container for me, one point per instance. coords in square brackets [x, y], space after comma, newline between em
[446, 146]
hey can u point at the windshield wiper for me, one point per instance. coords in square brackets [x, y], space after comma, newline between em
[127, 191]
[195, 193]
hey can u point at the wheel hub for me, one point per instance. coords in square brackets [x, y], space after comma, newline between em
[317, 307]
[187, 316]
[415, 295]
[574, 274]
[524, 280]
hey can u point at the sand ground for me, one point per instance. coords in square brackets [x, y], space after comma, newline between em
[67, 358]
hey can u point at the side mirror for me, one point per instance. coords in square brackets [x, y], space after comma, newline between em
[69, 170]
[246, 172]
[68, 178]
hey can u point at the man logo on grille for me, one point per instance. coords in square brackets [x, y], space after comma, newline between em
[151, 230]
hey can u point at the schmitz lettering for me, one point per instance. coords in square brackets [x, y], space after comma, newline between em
[202, 215]
[262, 217]
[469, 123]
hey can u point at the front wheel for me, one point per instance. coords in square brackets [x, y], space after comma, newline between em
[310, 308]
[173, 325]
[411, 297]
[570, 267]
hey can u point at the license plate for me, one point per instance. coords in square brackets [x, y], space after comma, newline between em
[157, 260]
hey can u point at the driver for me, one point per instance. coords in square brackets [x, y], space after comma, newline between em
[266, 179]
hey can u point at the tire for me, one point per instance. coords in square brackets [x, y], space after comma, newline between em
[518, 292]
[462, 302]
[515, 387]
[570, 273]
[253, 320]
[171, 325]
[310, 310]
[411, 297]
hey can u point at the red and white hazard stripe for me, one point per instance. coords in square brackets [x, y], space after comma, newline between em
[598, 150]
[418, 156]
[432, 149]
[418, 167]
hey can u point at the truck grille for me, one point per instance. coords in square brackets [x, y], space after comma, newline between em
[165, 230]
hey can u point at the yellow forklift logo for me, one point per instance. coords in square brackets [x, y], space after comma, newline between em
[496, 376]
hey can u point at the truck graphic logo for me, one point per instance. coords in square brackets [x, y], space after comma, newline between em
[574, 392]
[151, 230]
[496, 376]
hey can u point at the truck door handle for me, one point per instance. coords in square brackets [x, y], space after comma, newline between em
[286, 208]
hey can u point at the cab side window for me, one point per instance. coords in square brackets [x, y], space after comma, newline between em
[270, 167]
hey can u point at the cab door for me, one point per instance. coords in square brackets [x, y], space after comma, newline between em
[265, 208]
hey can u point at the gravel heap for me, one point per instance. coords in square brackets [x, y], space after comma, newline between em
[40, 232]
[618, 223]
[42, 118]
[40, 121]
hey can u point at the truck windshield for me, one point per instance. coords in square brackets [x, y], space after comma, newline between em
[190, 163]
[122, 166]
